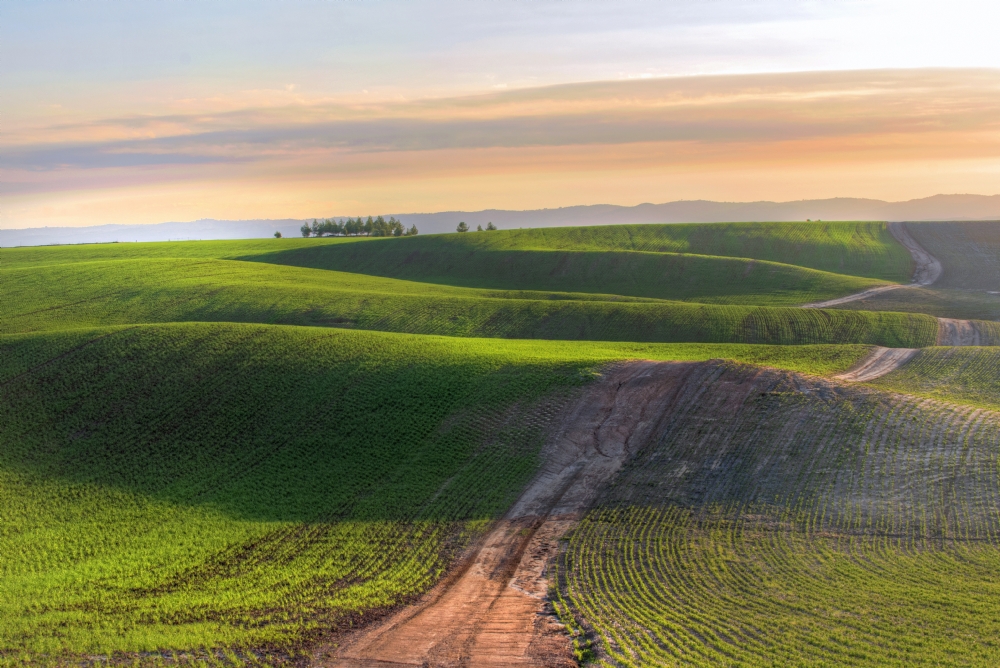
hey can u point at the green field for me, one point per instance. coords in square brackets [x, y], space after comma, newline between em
[863, 249]
[969, 286]
[961, 375]
[220, 486]
[835, 526]
[760, 264]
[95, 293]
[224, 453]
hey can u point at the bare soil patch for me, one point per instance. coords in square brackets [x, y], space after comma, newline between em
[493, 610]
[880, 362]
[953, 332]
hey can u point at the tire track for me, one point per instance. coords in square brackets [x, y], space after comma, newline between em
[951, 332]
[880, 362]
[494, 611]
[928, 269]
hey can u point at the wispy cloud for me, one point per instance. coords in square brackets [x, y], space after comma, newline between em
[862, 120]
[730, 109]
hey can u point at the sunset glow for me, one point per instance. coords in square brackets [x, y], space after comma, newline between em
[110, 139]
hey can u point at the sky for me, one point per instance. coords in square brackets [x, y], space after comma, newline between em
[143, 112]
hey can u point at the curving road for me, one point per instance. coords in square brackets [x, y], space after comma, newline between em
[928, 269]
[951, 332]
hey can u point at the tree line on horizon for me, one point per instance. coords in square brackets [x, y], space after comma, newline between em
[353, 227]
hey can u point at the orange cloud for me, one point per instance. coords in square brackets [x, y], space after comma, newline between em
[886, 134]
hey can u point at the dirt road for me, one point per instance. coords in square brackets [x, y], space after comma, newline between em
[953, 332]
[928, 269]
[492, 611]
[880, 362]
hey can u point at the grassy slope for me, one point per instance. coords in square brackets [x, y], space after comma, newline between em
[832, 526]
[854, 249]
[167, 290]
[439, 259]
[216, 485]
[969, 287]
[962, 375]
[597, 259]
[969, 253]
[942, 303]
[851, 248]
[36, 256]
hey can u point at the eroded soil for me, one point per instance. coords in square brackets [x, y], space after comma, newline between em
[953, 332]
[493, 611]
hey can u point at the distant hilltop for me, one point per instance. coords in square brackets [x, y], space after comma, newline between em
[938, 207]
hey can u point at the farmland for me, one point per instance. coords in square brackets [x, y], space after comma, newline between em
[770, 264]
[969, 286]
[254, 452]
[816, 524]
[850, 248]
[171, 485]
[98, 293]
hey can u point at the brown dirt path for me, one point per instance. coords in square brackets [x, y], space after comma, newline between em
[953, 332]
[880, 362]
[928, 269]
[493, 612]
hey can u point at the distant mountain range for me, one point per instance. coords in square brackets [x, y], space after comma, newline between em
[938, 207]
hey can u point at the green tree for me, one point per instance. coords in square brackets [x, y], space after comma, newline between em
[479, 228]
[462, 227]
[277, 235]
[412, 232]
[305, 230]
[490, 226]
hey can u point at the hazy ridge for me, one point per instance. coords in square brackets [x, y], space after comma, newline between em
[937, 207]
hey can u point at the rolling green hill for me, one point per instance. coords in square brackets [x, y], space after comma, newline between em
[93, 293]
[219, 488]
[851, 248]
[969, 286]
[759, 263]
[969, 253]
[222, 453]
[962, 375]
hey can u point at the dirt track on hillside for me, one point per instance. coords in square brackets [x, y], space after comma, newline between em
[492, 611]
[928, 269]
[880, 362]
[953, 332]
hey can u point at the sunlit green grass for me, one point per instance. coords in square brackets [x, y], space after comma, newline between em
[97, 293]
[207, 450]
[659, 275]
[211, 486]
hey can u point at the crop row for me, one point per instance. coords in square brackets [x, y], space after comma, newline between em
[674, 276]
[785, 521]
[245, 489]
[969, 375]
[105, 293]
